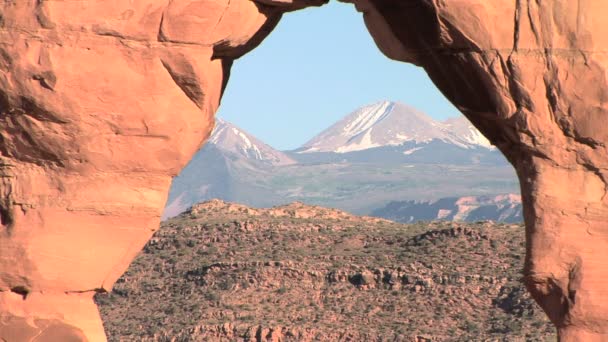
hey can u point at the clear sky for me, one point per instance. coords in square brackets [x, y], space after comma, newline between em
[317, 66]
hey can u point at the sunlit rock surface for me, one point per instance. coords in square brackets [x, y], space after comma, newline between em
[531, 76]
[102, 103]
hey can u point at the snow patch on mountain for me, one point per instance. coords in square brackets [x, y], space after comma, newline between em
[230, 138]
[412, 150]
[476, 138]
[367, 117]
[362, 144]
[465, 130]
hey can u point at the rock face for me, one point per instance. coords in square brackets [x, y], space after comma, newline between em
[102, 102]
[531, 76]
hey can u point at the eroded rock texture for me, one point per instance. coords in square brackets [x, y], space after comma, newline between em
[102, 102]
[531, 75]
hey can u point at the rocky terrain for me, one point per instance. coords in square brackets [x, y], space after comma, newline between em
[226, 272]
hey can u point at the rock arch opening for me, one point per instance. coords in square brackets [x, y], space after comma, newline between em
[310, 100]
[88, 150]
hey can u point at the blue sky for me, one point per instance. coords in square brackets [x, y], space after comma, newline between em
[317, 66]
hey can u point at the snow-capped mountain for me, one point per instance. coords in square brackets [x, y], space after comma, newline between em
[392, 124]
[223, 169]
[232, 139]
[385, 152]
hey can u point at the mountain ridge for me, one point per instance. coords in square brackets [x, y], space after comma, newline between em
[229, 137]
[238, 167]
[389, 123]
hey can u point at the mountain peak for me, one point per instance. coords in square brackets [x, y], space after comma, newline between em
[228, 137]
[388, 123]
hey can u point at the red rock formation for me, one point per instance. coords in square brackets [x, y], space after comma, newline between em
[104, 101]
[531, 75]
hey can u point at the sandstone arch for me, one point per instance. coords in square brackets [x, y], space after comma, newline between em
[88, 148]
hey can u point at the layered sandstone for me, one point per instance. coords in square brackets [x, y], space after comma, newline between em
[104, 101]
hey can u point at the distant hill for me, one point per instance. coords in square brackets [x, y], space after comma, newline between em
[226, 272]
[377, 154]
[502, 208]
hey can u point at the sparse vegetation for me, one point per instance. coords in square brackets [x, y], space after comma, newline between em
[225, 273]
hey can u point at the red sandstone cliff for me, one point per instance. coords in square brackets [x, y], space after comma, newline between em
[102, 103]
[531, 75]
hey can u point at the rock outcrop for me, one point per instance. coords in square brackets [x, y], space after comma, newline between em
[531, 76]
[102, 102]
